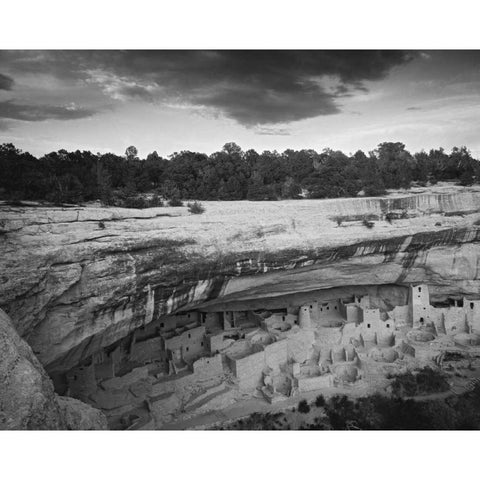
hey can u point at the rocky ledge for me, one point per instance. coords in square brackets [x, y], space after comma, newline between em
[27, 397]
[77, 279]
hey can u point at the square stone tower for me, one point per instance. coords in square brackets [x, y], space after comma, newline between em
[419, 305]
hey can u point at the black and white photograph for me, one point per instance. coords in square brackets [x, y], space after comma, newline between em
[225, 239]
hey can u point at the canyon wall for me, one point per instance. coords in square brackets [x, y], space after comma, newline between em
[27, 397]
[77, 279]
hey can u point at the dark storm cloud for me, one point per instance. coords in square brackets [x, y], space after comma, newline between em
[6, 83]
[253, 87]
[36, 113]
[256, 87]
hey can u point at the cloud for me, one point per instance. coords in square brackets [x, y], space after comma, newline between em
[257, 87]
[6, 82]
[35, 113]
[4, 125]
[414, 108]
[272, 131]
[253, 87]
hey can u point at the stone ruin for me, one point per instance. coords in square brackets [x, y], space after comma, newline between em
[192, 362]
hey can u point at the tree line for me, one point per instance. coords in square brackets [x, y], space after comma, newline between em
[229, 174]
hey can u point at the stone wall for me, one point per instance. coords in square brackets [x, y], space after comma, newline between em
[308, 384]
[300, 345]
[147, 351]
[249, 371]
[276, 354]
[207, 367]
[191, 342]
[455, 320]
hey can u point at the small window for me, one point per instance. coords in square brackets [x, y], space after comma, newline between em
[421, 320]
[368, 325]
[388, 325]
[311, 306]
[186, 349]
[201, 344]
[189, 336]
[335, 307]
[321, 309]
[419, 289]
[471, 305]
[162, 325]
[328, 308]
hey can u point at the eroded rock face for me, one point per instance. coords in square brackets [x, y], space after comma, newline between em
[27, 397]
[80, 416]
[76, 280]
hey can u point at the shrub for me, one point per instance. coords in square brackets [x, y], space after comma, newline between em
[196, 208]
[389, 217]
[135, 202]
[156, 201]
[303, 407]
[101, 225]
[368, 223]
[339, 220]
[320, 401]
[175, 202]
[423, 382]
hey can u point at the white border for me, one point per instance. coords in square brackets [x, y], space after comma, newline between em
[190, 24]
[93, 24]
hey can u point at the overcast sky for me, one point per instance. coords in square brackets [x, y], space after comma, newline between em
[198, 100]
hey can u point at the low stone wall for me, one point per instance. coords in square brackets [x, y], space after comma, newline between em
[308, 384]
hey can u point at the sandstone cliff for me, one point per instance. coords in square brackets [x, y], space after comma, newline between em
[76, 279]
[27, 398]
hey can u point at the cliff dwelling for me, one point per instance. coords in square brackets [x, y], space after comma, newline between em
[179, 366]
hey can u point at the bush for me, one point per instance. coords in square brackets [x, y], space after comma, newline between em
[101, 225]
[320, 401]
[156, 201]
[303, 407]
[135, 202]
[339, 220]
[368, 223]
[196, 208]
[423, 382]
[389, 217]
[175, 202]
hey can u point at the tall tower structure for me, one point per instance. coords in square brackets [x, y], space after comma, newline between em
[419, 305]
[304, 317]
